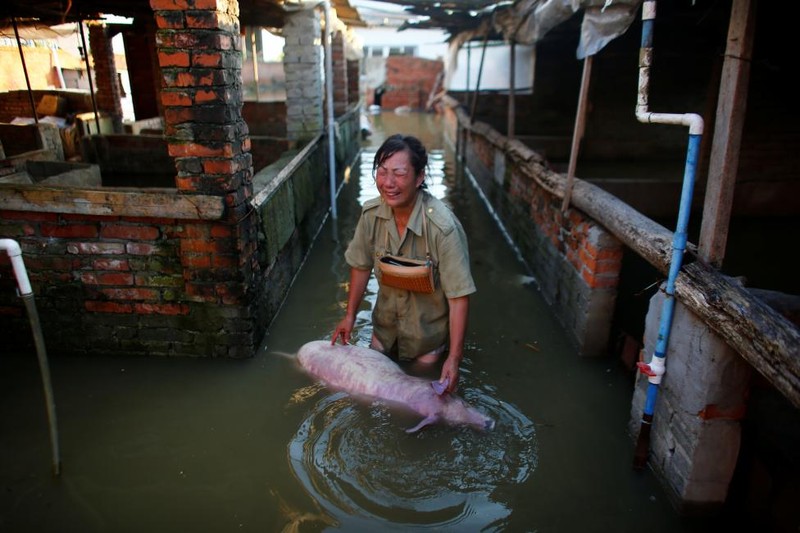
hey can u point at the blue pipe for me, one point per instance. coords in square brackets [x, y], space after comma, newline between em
[656, 367]
[678, 248]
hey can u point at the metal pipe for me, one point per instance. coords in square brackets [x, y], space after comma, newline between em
[329, 99]
[655, 369]
[25, 70]
[89, 74]
[478, 80]
[26, 293]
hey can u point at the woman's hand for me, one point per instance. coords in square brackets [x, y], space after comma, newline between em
[343, 329]
[450, 373]
[358, 284]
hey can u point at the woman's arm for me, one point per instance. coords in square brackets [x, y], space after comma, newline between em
[459, 311]
[358, 284]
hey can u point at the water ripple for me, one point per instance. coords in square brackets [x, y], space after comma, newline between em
[358, 464]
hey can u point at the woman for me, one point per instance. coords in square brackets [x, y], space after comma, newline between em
[405, 220]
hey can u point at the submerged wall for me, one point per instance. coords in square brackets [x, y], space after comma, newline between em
[576, 262]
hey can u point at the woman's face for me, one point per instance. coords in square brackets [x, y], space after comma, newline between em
[397, 182]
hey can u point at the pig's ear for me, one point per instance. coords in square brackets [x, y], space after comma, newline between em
[424, 422]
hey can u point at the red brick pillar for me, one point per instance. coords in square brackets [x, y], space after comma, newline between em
[199, 51]
[143, 71]
[339, 63]
[353, 81]
[108, 92]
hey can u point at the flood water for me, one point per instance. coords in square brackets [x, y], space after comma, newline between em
[256, 445]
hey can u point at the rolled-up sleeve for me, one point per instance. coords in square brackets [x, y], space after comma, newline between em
[454, 272]
[359, 251]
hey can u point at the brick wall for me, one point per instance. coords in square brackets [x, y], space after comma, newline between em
[108, 92]
[353, 78]
[122, 286]
[575, 261]
[17, 103]
[409, 81]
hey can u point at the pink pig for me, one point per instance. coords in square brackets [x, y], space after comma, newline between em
[364, 372]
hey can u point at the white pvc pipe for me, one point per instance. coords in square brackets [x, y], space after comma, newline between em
[15, 254]
[692, 120]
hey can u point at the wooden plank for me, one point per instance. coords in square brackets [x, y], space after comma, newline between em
[727, 133]
[161, 203]
[764, 338]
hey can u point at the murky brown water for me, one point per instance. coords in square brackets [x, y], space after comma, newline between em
[255, 445]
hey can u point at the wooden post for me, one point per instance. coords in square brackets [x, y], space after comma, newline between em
[511, 91]
[727, 133]
[478, 80]
[25, 70]
[577, 134]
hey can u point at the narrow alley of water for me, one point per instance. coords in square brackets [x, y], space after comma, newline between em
[223, 445]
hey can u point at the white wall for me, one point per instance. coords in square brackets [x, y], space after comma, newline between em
[430, 44]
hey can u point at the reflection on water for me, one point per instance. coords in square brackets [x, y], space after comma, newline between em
[358, 464]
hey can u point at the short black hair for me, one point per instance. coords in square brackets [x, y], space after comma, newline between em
[397, 143]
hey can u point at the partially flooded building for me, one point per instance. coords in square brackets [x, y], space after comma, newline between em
[642, 158]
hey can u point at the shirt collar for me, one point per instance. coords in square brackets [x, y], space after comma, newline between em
[415, 220]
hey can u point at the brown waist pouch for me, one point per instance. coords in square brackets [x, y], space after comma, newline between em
[409, 274]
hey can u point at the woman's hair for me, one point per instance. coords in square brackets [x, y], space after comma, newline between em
[397, 143]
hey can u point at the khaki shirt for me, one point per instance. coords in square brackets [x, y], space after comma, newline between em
[418, 323]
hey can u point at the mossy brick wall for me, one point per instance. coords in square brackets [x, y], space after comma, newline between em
[198, 45]
[291, 214]
[575, 261]
[126, 286]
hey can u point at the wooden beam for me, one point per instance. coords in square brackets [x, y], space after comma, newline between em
[163, 203]
[764, 338]
[727, 133]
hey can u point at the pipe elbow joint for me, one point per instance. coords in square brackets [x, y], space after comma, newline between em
[653, 370]
[11, 247]
[695, 123]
